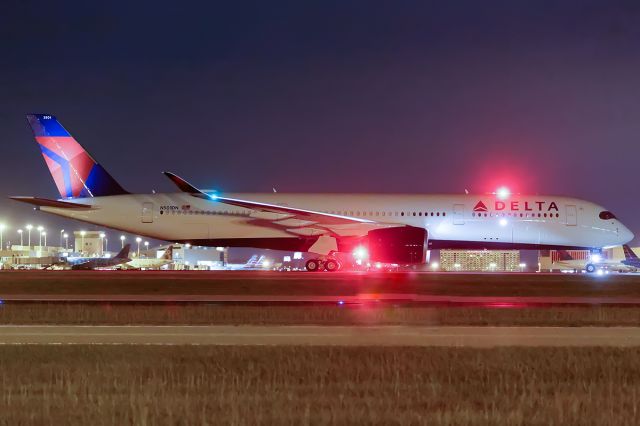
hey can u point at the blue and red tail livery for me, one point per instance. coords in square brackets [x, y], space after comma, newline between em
[75, 173]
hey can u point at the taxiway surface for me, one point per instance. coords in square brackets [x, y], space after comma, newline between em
[479, 337]
[515, 289]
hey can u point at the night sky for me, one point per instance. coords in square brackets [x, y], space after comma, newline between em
[344, 96]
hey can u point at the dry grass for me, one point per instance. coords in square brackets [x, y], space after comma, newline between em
[116, 385]
[196, 314]
[304, 284]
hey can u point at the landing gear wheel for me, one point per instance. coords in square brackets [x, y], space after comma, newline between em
[331, 265]
[312, 265]
[590, 268]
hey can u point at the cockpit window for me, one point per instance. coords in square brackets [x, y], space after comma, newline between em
[605, 215]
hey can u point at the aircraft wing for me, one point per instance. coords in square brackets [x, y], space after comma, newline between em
[298, 221]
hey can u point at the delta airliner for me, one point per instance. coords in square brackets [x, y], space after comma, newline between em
[392, 228]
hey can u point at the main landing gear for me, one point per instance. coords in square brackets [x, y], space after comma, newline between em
[329, 265]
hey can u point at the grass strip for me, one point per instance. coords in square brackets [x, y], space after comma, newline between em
[201, 314]
[108, 385]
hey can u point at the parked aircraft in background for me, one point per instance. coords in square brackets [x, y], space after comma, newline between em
[254, 263]
[100, 262]
[151, 263]
[387, 228]
[630, 258]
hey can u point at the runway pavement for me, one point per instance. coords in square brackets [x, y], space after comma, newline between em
[364, 298]
[478, 337]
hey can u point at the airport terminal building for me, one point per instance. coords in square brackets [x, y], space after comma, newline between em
[480, 260]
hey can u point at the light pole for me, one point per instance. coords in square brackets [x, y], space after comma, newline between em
[66, 241]
[82, 234]
[29, 227]
[122, 238]
[20, 233]
[40, 229]
[44, 234]
[61, 232]
[102, 235]
[138, 240]
[2, 226]
[146, 247]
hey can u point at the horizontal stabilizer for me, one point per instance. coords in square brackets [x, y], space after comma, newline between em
[45, 202]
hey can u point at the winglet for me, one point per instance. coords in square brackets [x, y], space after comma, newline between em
[182, 184]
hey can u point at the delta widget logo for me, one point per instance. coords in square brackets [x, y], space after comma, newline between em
[480, 207]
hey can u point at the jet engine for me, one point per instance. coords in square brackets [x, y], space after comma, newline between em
[402, 245]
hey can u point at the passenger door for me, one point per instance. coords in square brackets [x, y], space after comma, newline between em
[147, 213]
[572, 215]
[458, 214]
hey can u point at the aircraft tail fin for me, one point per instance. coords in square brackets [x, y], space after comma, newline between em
[124, 253]
[168, 253]
[75, 172]
[564, 255]
[628, 253]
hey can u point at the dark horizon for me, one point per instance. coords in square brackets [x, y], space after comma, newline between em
[412, 97]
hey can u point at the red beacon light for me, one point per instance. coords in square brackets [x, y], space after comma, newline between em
[503, 192]
[360, 253]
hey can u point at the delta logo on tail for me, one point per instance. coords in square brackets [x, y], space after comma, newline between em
[75, 173]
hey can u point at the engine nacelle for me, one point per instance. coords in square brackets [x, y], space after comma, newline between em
[402, 245]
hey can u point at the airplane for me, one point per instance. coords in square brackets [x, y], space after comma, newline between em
[151, 263]
[254, 263]
[389, 228]
[88, 263]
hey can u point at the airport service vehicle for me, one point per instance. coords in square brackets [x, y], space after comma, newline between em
[595, 262]
[151, 263]
[387, 228]
[88, 263]
[591, 264]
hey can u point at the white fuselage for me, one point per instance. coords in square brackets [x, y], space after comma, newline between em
[451, 220]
